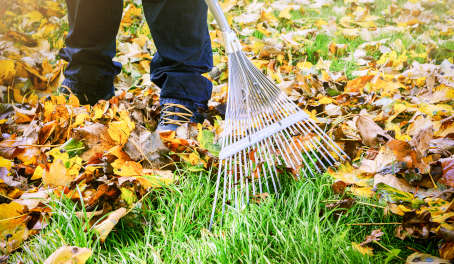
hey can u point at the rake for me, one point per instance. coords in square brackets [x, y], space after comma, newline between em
[263, 131]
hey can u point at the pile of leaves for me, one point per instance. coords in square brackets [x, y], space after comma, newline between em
[379, 79]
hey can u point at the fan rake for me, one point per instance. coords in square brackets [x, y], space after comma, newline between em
[263, 130]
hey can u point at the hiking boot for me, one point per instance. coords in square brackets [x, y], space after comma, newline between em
[84, 98]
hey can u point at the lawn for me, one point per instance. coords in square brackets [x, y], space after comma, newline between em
[170, 226]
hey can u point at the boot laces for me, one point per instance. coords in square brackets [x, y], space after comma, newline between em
[166, 114]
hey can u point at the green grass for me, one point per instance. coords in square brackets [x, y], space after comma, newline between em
[170, 227]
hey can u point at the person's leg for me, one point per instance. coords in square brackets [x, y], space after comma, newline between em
[180, 32]
[90, 47]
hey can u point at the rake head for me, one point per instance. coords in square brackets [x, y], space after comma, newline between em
[264, 130]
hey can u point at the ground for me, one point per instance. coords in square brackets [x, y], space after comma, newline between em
[376, 76]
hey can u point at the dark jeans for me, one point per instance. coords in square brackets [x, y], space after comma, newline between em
[180, 33]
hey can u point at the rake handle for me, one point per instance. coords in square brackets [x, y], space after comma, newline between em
[218, 14]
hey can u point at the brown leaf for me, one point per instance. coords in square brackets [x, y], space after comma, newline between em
[403, 152]
[447, 250]
[344, 204]
[421, 141]
[96, 138]
[339, 187]
[443, 146]
[369, 131]
[142, 144]
[259, 198]
[448, 171]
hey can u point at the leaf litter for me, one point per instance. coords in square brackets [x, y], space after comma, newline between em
[387, 101]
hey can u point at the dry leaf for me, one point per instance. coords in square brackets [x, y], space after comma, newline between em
[448, 171]
[57, 175]
[422, 258]
[369, 131]
[105, 227]
[69, 255]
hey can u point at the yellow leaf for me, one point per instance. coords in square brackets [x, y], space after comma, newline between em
[80, 119]
[34, 16]
[99, 109]
[7, 70]
[350, 175]
[398, 209]
[5, 163]
[120, 130]
[69, 255]
[365, 192]
[285, 13]
[12, 226]
[305, 65]
[127, 168]
[156, 178]
[363, 250]
[325, 100]
[38, 174]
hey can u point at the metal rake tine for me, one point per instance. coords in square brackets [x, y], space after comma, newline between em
[268, 165]
[315, 165]
[249, 168]
[333, 144]
[266, 149]
[303, 147]
[301, 125]
[315, 154]
[321, 134]
[224, 190]
[246, 170]
[260, 168]
[271, 161]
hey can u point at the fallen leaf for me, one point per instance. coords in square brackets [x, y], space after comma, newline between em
[447, 250]
[369, 131]
[339, 187]
[448, 171]
[95, 137]
[393, 181]
[12, 226]
[357, 85]
[69, 255]
[363, 250]
[57, 175]
[105, 227]
[350, 175]
[365, 192]
[423, 258]
[421, 141]
[156, 178]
